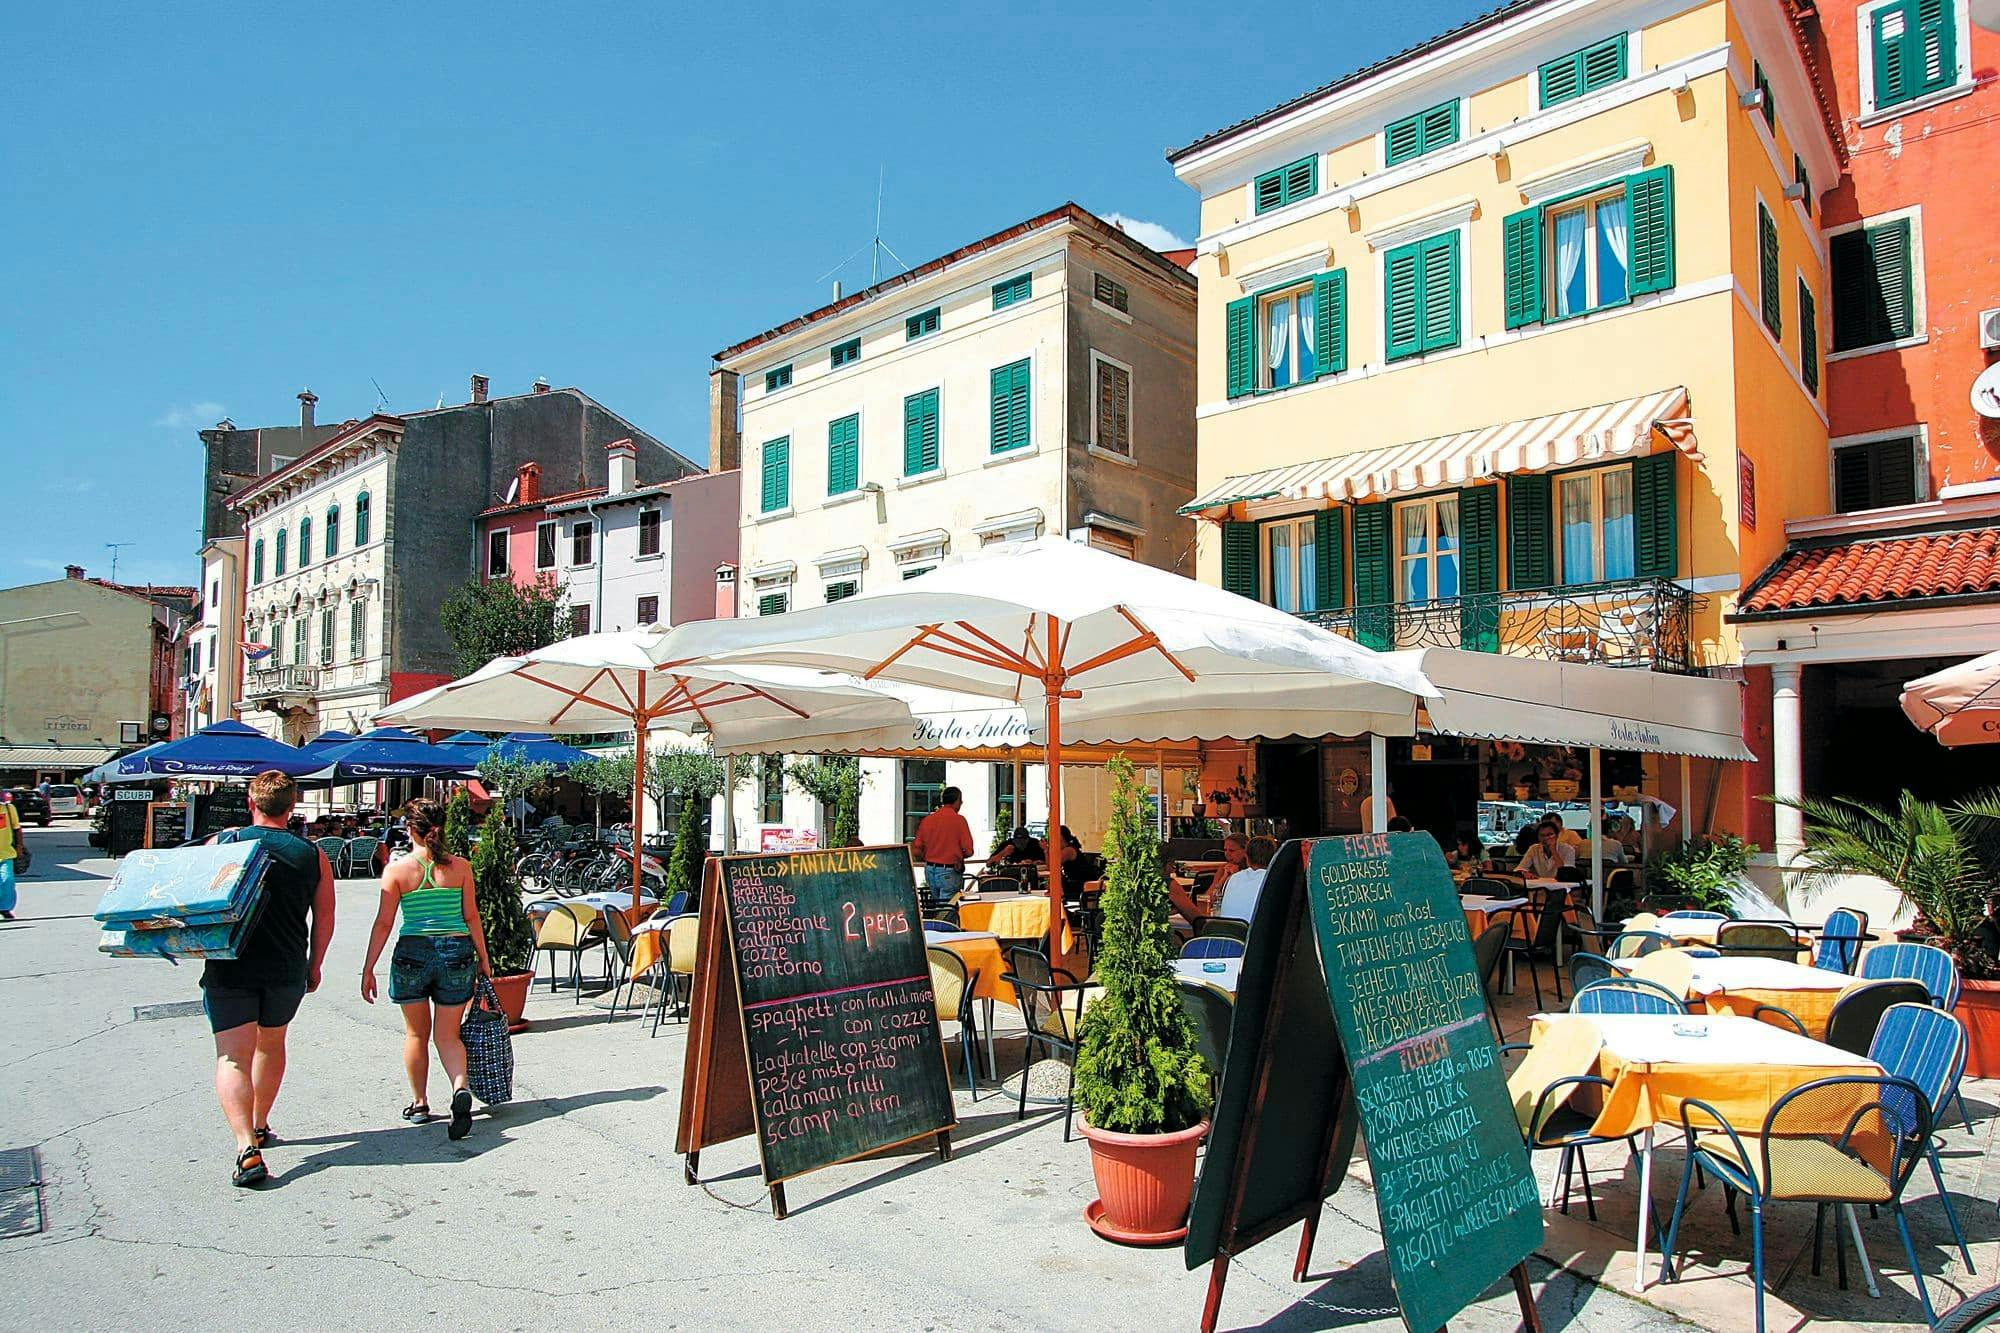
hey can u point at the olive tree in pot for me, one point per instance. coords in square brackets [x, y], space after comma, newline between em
[510, 943]
[1141, 1081]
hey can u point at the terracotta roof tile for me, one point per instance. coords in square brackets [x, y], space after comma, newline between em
[1869, 570]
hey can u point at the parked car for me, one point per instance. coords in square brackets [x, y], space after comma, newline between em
[66, 798]
[31, 804]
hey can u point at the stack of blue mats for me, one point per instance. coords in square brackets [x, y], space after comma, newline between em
[184, 902]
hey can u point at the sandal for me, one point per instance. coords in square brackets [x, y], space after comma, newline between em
[263, 1137]
[418, 1113]
[461, 1114]
[250, 1169]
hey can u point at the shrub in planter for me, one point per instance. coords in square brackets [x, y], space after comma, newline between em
[1705, 871]
[1141, 1082]
[510, 942]
[458, 824]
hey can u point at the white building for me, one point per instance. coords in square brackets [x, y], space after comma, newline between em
[215, 654]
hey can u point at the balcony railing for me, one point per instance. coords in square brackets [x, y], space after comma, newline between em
[1630, 623]
[281, 681]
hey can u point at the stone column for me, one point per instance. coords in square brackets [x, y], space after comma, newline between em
[1787, 758]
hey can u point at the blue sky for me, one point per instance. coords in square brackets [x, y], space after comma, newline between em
[212, 207]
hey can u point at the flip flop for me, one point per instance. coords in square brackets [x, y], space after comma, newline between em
[250, 1169]
[461, 1114]
[418, 1113]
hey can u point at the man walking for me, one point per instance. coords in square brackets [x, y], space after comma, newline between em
[251, 998]
[942, 843]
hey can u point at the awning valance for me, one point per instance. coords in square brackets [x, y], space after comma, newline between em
[1587, 434]
[63, 757]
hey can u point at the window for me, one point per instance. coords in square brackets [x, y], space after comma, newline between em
[1277, 339]
[1287, 185]
[215, 594]
[1767, 272]
[775, 475]
[1425, 132]
[326, 637]
[843, 455]
[305, 542]
[1116, 543]
[1107, 292]
[582, 542]
[1808, 339]
[1009, 407]
[279, 562]
[1589, 248]
[771, 789]
[923, 789]
[1006, 800]
[257, 562]
[1111, 407]
[496, 553]
[1291, 561]
[361, 519]
[545, 545]
[1875, 474]
[277, 654]
[1804, 182]
[1874, 285]
[1422, 296]
[1767, 104]
[1427, 549]
[845, 353]
[1596, 526]
[920, 433]
[299, 641]
[579, 620]
[922, 324]
[773, 603]
[649, 532]
[841, 589]
[1911, 49]
[776, 378]
[1285, 335]
[332, 531]
[357, 630]
[1013, 291]
[649, 610]
[1596, 66]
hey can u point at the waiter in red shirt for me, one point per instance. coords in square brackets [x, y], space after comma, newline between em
[942, 843]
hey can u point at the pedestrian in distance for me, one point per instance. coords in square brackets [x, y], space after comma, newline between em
[10, 845]
[440, 950]
[251, 999]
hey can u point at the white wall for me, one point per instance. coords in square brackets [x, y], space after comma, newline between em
[626, 575]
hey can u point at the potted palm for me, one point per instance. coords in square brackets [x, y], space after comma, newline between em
[1142, 1084]
[1942, 860]
[510, 943]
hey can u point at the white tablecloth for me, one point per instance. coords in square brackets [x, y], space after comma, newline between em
[1726, 974]
[1715, 1039]
[949, 936]
[1475, 902]
[596, 902]
[1193, 969]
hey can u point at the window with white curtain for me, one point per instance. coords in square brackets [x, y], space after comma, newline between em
[1589, 254]
[1286, 338]
[1291, 557]
[1597, 526]
[1427, 549]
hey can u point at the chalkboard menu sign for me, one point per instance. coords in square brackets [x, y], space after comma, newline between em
[812, 981]
[166, 824]
[127, 829]
[1458, 1205]
[223, 808]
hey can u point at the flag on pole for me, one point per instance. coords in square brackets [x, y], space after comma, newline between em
[256, 652]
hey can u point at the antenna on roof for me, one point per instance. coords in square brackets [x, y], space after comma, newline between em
[381, 399]
[114, 548]
[876, 246]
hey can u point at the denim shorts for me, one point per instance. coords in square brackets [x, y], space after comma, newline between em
[438, 968]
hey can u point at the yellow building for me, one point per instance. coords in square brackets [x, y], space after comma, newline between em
[1513, 341]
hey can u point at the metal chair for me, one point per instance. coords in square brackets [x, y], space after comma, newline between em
[1488, 886]
[1212, 946]
[1586, 969]
[335, 851]
[1759, 939]
[1043, 994]
[945, 915]
[1780, 1017]
[360, 857]
[1487, 952]
[677, 904]
[951, 985]
[566, 929]
[1626, 995]
[1553, 1124]
[1857, 1011]
[1548, 919]
[1841, 937]
[1848, 1140]
[618, 952]
[1582, 933]
[1222, 927]
[1939, 974]
[1211, 1012]
[1638, 943]
[683, 940]
[1927, 1047]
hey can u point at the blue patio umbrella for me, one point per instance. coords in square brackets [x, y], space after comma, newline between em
[326, 740]
[221, 750]
[391, 752]
[467, 740]
[535, 747]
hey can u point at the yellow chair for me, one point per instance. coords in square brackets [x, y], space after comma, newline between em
[683, 937]
[951, 989]
[1563, 1059]
[1671, 968]
[567, 929]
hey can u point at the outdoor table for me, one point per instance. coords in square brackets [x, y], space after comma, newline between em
[979, 950]
[594, 905]
[1224, 978]
[1654, 1062]
[1697, 930]
[1017, 916]
[1479, 907]
[1738, 984]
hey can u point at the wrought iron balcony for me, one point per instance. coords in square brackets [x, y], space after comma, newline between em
[1630, 623]
[281, 682]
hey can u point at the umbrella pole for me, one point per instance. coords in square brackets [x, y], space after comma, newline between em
[1052, 684]
[638, 795]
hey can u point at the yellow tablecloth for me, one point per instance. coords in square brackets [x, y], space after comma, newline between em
[986, 962]
[1025, 918]
[1737, 985]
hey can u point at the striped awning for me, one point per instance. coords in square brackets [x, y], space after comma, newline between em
[63, 757]
[1586, 435]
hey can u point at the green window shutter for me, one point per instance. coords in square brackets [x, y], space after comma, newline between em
[1604, 63]
[1330, 323]
[776, 473]
[1269, 191]
[1330, 559]
[1874, 285]
[1374, 584]
[1440, 126]
[771, 604]
[1011, 292]
[1479, 569]
[1655, 545]
[1240, 559]
[361, 507]
[1440, 291]
[1762, 83]
[1874, 475]
[845, 353]
[1521, 247]
[1893, 81]
[1649, 213]
[305, 542]
[920, 433]
[279, 564]
[843, 455]
[1403, 270]
[1562, 79]
[1286, 185]
[1804, 182]
[922, 323]
[333, 532]
[257, 563]
[779, 377]
[1530, 550]
[841, 590]
[1009, 428]
[1240, 338]
[1808, 339]
[1936, 45]
[1767, 271]
[1402, 140]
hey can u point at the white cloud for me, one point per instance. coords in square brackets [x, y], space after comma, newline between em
[1147, 233]
[191, 416]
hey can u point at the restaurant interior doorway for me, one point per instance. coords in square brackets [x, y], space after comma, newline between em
[1435, 783]
[1289, 773]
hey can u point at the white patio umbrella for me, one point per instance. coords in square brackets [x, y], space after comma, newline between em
[615, 682]
[1118, 651]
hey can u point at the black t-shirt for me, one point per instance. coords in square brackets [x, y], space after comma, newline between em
[278, 949]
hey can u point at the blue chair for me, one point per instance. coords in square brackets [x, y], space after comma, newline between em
[1638, 943]
[1934, 968]
[1694, 914]
[1212, 946]
[1626, 995]
[677, 904]
[1927, 1047]
[1840, 940]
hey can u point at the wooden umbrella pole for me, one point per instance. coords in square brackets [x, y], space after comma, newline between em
[1052, 685]
[638, 794]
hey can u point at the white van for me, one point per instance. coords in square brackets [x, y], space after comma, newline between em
[66, 798]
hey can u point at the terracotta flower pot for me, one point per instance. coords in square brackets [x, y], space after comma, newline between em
[1979, 1009]
[512, 989]
[1144, 1183]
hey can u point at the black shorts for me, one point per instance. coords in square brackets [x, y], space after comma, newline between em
[438, 968]
[266, 1006]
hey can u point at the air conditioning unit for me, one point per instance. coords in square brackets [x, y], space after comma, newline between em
[1989, 330]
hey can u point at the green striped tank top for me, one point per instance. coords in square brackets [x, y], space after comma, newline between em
[433, 909]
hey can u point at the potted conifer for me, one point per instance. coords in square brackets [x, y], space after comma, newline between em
[1142, 1083]
[510, 942]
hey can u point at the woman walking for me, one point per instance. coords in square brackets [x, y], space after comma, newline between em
[10, 833]
[439, 951]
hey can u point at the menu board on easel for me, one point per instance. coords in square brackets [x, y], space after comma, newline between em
[814, 1026]
[166, 824]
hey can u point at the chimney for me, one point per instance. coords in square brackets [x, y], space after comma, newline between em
[73, 571]
[528, 484]
[624, 458]
[541, 385]
[725, 591]
[725, 433]
[479, 386]
[836, 291]
[306, 401]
